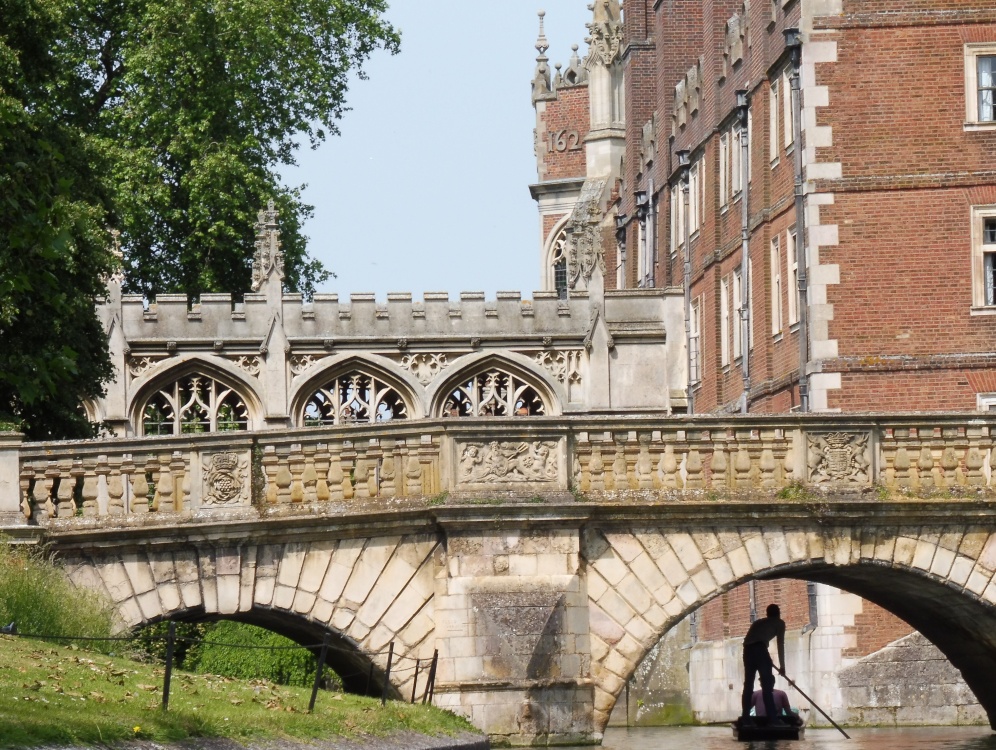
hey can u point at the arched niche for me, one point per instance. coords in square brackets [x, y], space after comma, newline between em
[194, 395]
[505, 385]
[355, 390]
[555, 259]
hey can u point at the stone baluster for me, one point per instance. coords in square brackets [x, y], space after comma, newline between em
[742, 465]
[901, 467]
[90, 482]
[388, 471]
[309, 478]
[925, 468]
[644, 465]
[950, 465]
[27, 474]
[140, 489]
[693, 470]
[283, 479]
[295, 464]
[271, 465]
[44, 508]
[974, 461]
[788, 465]
[68, 473]
[596, 469]
[348, 457]
[165, 487]
[177, 470]
[336, 477]
[768, 466]
[413, 474]
[154, 468]
[322, 494]
[115, 489]
[669, 468]
[620, 478]
[374, 458]
[719, 467]
[361, 475]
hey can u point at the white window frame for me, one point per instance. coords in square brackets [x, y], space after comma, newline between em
[694, 189]
[776, 286]
[972, 54]
[737, 321]
[724, 322]
[983, 262]
[774, 113]
[694, 342]
[792, 267]
[788, 124]
[986, 402]
[724, 169]
[675, 226]
[750, 304]
[736, 168]
[750, 142]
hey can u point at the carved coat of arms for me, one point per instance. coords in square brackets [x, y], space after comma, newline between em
[838, 457]
[225, 479]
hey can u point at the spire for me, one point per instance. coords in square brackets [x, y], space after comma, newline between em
[268, 261]
[541, 79]
[576, 73]
[606, 32]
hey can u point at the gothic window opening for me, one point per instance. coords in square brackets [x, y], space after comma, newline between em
[354, 398]
[193, 404]
[559, 265]
[494, 393]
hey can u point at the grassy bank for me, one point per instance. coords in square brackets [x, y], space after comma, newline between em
[62, 695]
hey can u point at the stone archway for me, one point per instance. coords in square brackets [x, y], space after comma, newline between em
[366, 592]
[938, 579]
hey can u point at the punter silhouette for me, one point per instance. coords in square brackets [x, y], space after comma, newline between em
[757, 661]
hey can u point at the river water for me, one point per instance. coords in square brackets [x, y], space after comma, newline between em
[721, 738]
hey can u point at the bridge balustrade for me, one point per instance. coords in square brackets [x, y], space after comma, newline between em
[596, 457]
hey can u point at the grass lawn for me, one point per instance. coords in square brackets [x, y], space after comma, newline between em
[53, 695]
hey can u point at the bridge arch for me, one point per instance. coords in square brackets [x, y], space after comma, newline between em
[365, 592]
[641, 583]
[525, 382]
[227, 387]
[388, 384]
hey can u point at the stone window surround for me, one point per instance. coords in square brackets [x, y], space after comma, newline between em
[973, 51]
[978, 216]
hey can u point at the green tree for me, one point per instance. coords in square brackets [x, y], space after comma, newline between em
[196, 104]
[53, 248]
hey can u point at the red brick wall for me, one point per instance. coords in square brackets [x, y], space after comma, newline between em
[560, 133]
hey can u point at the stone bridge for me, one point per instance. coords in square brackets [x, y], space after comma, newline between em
[543, 558]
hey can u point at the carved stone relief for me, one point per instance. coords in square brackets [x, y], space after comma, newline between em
[138, 365]
[564, 366]
[248, 364]
[585, 243]
[836, 457]
[225, 477]
[509, 462]
[425, 367]
[301, 362]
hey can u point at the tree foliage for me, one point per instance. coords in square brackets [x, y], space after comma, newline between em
[167, 120]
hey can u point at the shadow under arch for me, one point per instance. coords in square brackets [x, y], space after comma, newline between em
[471, 365]
[175, 368]
[359, 673]
[330, 368]
[960, 623]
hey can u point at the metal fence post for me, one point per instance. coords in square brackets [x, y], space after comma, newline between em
[387, 674]
[318, 673]
[415, 680]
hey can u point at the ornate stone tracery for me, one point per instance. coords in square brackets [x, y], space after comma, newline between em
[425, 366]
[501, 462]
[141, 364]
[564, 366]
[194, 403]
[494, 393]
[301, 362]
[268, 258]
[352, 398]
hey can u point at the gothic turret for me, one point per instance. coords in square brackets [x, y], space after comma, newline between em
[607, 140]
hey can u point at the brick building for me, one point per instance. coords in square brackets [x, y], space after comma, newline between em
[818, 179]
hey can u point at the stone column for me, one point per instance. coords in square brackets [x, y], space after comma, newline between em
[10, 487]
[512, 633]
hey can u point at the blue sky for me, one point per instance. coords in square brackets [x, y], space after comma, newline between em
[426, 188]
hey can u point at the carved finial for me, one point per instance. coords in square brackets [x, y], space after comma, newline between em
[606, 33]
[117, 277]
[576, 73]
[541, 78]
[267, 260]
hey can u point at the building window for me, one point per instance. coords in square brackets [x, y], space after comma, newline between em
[980, 86]
[776, 287]
[353, 398]
[987, 402]
[676, 236]
[724, 165]
[788, 118]
[694, 337]
[494, 393]
[558, 262]
[192, 404]
[792, 265]
[736, 165]
[724, 322]
[694, 178]
[774, 112]
[984, 250]
[737, 314]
